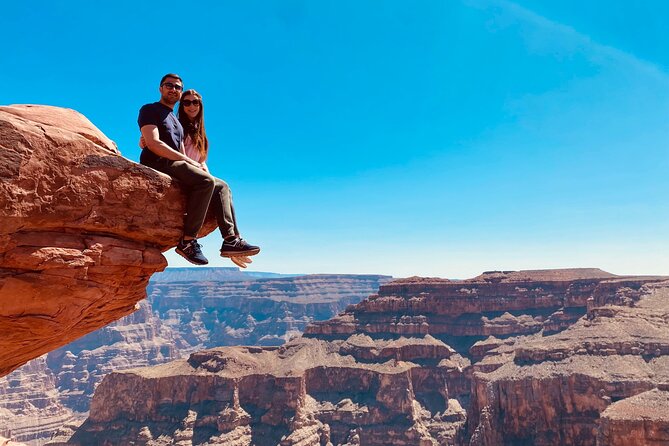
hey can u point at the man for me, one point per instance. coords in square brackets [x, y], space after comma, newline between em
[164, 151]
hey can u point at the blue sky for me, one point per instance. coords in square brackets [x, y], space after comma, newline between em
[433, 138]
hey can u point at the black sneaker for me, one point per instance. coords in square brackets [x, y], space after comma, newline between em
[238, 247]
[190, 250]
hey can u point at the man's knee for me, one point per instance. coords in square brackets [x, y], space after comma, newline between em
[221, 185]
[192, 176]
[208, 179]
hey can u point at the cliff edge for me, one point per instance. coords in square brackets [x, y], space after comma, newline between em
[82, 229]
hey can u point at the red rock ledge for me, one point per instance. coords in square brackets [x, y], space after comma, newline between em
[81, 230]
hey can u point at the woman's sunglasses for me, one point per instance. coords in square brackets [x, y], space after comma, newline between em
[188, 102]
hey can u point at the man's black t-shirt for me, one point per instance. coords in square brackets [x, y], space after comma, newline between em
[169, 127]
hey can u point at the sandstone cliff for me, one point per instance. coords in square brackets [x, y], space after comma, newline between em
[81, 230]
[515, 358]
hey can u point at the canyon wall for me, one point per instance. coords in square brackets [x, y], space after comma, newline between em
[558, 357]
[30, 403]
[81, 231]
[266, 311]
[178, 318]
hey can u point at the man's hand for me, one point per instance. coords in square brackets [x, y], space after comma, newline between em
[154, 144]
[150, 138]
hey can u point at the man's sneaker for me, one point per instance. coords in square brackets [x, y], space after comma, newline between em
[238, 247]
[190, 250]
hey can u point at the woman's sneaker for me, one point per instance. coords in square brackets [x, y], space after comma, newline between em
[238, 247]
[190, 250]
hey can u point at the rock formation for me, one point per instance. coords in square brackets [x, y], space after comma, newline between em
[266, 311]
[81, 230]
[30, 408]
[137, 340]
[642, 419]
[558, 357]
[197, 314]
[179, 318]
[8, 442]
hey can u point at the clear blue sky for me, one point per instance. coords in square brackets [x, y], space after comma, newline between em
[434, 138]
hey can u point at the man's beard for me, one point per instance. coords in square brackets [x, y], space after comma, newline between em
[170, 99]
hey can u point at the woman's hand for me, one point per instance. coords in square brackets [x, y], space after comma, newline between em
[142, 142]
[193, 162]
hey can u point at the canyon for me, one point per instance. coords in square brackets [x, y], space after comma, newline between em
[82, 231]
[554, 357]
[186, 310]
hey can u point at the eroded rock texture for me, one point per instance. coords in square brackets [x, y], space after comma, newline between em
[81, 230]
[30, 407]
[137, 340]
[552, 390]
[266, 311]
[642, 419]
[199, 312]
[515, 358]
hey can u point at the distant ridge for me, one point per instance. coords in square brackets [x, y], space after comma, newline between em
[200, 274]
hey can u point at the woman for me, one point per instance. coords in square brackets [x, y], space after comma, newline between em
[196, 144]
[191, 116]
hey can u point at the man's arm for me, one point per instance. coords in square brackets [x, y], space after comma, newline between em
[154, 144]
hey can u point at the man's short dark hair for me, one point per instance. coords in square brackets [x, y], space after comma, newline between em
[175, 76]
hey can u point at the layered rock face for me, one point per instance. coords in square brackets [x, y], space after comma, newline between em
[255, 312]
[515, 358]
[81, 230]
[31, 408]
[303, 393]
[182, 317]
[211, 306]
[553, 390]
[137, 340]
[641, 419]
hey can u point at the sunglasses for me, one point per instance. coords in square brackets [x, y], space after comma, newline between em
[188, 102]
[171, 86]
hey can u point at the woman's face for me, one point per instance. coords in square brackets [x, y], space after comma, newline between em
[191, 105]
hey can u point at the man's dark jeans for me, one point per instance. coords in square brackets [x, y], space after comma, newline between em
[202, 190]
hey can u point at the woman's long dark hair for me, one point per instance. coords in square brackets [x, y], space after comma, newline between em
[195, 128]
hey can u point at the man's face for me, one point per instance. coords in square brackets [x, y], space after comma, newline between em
[170, 90]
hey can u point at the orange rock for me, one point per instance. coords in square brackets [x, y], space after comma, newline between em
[81, 230]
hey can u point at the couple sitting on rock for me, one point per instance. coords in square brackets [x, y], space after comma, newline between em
[179, 147]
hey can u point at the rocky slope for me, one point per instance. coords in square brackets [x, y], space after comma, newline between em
[81, 230]
[559, 357]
